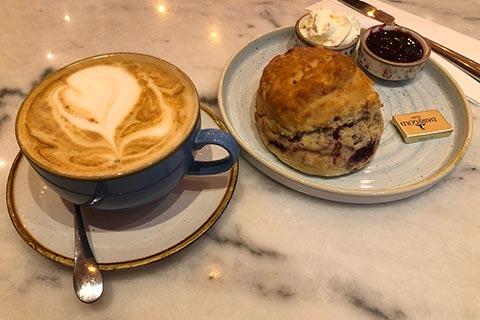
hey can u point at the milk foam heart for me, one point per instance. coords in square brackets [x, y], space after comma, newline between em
[105, 117]
[97, 99]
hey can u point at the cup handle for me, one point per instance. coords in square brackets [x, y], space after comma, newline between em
[220, 138]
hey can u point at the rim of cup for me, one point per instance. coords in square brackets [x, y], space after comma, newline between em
[60, 71]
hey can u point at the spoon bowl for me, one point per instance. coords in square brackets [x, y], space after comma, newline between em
[87, 278]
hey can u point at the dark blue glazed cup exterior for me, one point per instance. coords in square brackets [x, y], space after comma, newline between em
[148, 184]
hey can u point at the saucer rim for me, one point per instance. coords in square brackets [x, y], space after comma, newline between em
[24, 233]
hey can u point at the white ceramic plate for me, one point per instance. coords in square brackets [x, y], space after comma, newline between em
[120, 239]
[398, 170]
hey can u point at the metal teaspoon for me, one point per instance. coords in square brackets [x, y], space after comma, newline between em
[87, 279]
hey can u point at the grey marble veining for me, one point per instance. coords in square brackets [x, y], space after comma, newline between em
[275, 253]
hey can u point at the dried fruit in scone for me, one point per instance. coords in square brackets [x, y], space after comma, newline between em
[318, 112]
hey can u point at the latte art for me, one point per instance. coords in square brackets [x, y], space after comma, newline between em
[96, 99]
[107, 117]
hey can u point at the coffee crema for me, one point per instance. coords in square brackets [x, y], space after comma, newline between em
[107, 116]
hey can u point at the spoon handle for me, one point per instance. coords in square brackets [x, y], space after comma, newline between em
[87, 278]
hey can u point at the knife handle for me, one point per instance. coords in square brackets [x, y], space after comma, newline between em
[471, 67]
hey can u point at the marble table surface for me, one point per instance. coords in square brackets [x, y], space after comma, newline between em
[275, 253]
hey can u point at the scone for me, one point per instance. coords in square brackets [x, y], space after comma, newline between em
[318, 112]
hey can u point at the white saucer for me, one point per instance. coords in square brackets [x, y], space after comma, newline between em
[122, 239]
[397, 171]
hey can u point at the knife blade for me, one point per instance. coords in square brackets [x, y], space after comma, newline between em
[370, 11]
[469, 66]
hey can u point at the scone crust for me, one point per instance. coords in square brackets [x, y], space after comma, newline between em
[318, 112]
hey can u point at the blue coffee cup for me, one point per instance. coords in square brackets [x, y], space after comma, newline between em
[149, 182]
